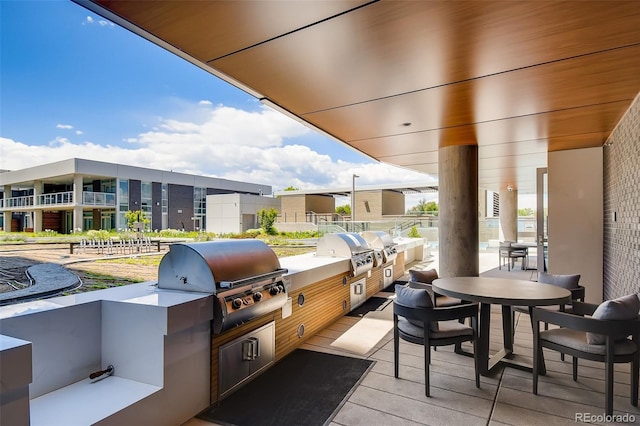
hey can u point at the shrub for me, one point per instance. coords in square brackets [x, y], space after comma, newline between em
[413, 232]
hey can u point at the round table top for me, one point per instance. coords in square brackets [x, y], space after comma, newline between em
[502, 291]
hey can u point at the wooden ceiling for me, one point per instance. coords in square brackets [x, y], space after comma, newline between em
[397, 80]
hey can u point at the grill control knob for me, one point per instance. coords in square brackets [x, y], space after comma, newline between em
[257, 296]
[236, 303]
[274, 290]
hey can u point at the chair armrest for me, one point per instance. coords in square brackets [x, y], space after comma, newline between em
[446, 313]
[577, 293]
[614, 328]
[583, 308]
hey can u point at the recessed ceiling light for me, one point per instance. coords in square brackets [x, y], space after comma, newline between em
[407, 124]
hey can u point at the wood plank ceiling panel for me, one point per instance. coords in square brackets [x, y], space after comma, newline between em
[207, 30]
[523, 131]
[392, 48]
[581, 82]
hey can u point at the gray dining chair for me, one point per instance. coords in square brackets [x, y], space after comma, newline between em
[423, 279]
[417, 320]
[568, 281]
[510, 254]
[593, 332]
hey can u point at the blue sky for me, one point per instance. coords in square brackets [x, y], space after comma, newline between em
[75, 85]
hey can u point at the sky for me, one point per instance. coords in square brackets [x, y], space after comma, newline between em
[73, 84]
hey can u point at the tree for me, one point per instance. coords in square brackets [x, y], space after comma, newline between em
[344, 210]
[526, 212]
[266, 219]
[291, 188]
[134, 216]
[424, 207]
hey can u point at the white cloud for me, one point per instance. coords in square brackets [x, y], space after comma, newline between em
[102, 22]
[226, 142]
[64, 126]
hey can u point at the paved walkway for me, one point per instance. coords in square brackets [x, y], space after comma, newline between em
[49, 279]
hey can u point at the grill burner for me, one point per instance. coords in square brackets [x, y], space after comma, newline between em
[383, 243]
[348, 245]
[244, 275]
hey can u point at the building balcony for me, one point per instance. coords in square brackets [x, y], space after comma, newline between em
[57, 199]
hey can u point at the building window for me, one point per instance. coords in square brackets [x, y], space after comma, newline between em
[165, 206]
[123, 203]
[146, 202]
[199, 208]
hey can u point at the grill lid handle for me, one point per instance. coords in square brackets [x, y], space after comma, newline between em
[250, 280]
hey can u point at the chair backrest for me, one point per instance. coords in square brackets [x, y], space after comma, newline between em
[564, 281]
[411, 313]
[426, 277]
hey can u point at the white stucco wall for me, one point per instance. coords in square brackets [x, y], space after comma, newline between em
[227, 213]
[575, 205]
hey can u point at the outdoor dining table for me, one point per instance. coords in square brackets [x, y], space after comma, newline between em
[507, 293]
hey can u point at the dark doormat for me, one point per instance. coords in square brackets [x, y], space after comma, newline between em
[304, 388]
[371, 304]
[392, 287]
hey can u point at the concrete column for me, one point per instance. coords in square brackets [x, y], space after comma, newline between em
[458, 218]
[37, 212]
[6, 221]
[509, 214]
[77, 202]
[6, 216]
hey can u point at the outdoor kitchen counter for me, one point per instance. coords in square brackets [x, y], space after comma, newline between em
[307, 269]
[157, 340]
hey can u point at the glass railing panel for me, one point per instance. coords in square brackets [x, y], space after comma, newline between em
[98, 198]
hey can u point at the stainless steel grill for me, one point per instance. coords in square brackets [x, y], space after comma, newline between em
[348, 245]
[244, 275]
[383, 243]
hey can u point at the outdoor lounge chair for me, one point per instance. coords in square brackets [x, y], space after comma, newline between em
[603, 337]
[416, 320]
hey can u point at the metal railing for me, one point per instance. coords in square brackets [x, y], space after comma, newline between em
[59, 199]
[17, 202]
[55, 199]
[98, 199]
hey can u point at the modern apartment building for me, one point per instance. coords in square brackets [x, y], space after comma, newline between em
[84, 194]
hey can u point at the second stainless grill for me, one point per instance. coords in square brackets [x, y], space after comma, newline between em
[382, 242]
[350, 246]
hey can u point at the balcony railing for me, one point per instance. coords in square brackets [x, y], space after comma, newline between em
[17, 202]
[58, 199]
[55, 199]
[98, 199]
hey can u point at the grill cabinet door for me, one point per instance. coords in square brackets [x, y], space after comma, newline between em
[244, 357]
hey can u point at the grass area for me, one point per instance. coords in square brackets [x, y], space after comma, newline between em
[139, 260]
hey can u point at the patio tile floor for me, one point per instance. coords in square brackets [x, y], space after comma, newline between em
[505, 397]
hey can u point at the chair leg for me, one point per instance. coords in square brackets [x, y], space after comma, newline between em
[396, 350]
[575, 369]
[536, 361]
[475, 361]
[609, 389]
[635, 369]
[427, 361]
